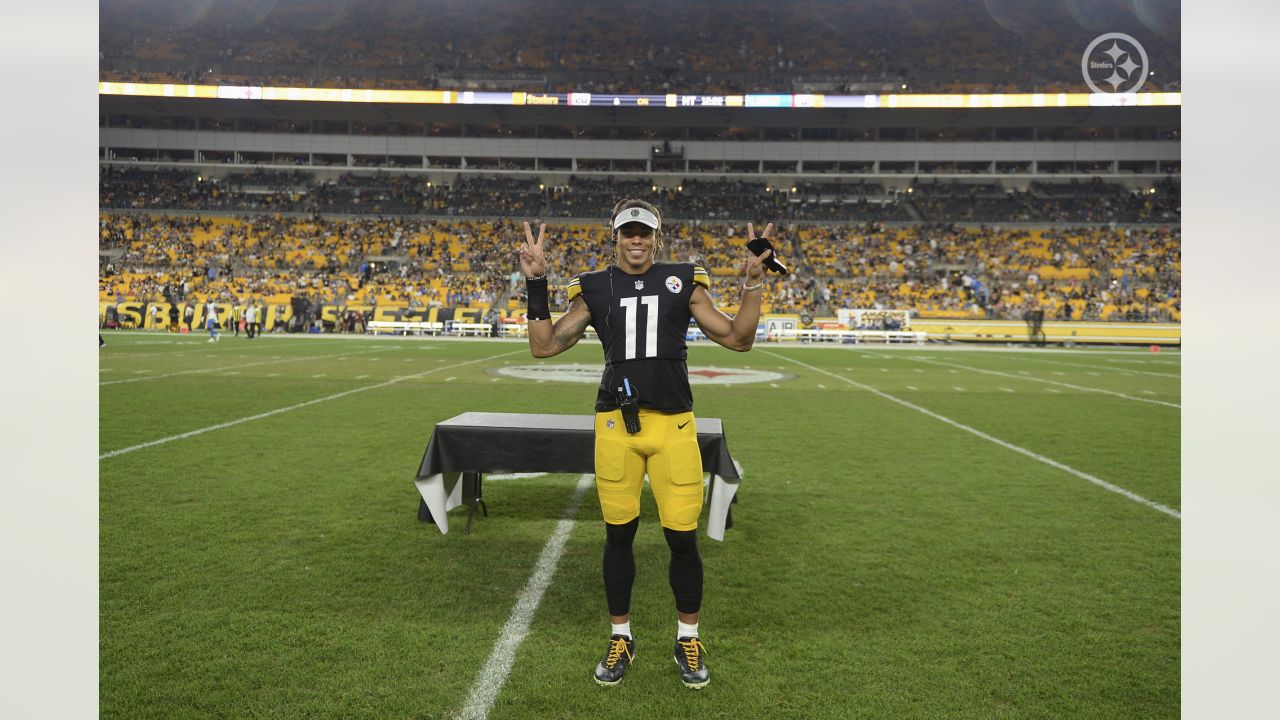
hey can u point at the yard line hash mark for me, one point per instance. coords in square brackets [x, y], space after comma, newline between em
[277, 411]
[991, 438]
[1051, 382]
[228, 367]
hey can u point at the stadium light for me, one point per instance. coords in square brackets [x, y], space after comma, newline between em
[910, 189]
[904, 86]
[793, 189]
[679, 188]
[542, 186]
[655, 188]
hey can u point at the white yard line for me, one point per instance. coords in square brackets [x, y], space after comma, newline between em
[496, 669]
[277, 411]
[1050, 382]
[990, 438]
[231, 367]
[1103, 367]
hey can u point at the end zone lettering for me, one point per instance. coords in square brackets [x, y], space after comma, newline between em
[134, 313]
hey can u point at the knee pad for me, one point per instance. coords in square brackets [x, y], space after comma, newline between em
[621, 535]
[683, 543]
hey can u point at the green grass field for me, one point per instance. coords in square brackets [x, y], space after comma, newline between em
[260, 554]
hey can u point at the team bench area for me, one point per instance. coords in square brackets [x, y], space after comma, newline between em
[465, 447]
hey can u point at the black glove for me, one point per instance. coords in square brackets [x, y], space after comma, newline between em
[758, 247]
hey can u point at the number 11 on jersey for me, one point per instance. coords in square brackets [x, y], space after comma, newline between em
[650, 325]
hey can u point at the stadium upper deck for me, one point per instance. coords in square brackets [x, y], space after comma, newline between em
[634, 46]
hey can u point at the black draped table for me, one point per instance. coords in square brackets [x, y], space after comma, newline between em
[466, 446]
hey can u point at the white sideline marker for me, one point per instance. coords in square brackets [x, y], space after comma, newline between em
[496, 669]
[990, 438]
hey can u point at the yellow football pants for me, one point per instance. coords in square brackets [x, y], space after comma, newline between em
[666, 448]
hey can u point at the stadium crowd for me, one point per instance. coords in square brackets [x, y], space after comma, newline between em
[1082, 273]
[570, 45]
[383, 193]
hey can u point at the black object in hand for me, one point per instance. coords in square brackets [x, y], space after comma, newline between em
[758, 247]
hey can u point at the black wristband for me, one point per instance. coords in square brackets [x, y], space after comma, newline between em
[539, 304]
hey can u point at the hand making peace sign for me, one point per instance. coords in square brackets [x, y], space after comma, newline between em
[532, 261]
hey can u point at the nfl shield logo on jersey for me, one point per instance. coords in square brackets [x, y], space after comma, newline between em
[639, 284]
[674, 284]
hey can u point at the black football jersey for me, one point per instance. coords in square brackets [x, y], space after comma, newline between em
[642, 321]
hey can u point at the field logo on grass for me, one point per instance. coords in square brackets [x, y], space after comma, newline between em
[1114, 63]
[590, 374]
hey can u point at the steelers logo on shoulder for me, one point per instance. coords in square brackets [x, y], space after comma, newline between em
[674, 284]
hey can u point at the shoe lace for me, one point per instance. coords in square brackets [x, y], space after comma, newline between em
[692, 652]
[617, 647]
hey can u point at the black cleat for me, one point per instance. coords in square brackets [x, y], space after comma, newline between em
[693, 669]
[617, 658]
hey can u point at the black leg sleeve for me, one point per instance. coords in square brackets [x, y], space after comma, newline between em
[685, 571]
[619, 565]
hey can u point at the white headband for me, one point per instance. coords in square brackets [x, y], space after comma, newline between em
[636, 214]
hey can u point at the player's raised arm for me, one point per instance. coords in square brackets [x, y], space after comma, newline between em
[546, 339]
[737, 333]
